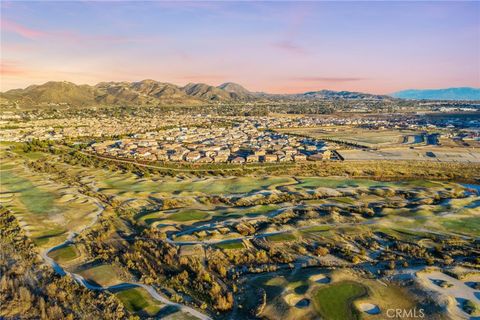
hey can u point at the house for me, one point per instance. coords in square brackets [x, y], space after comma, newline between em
[176, 157]
[252, 158]
[238, 160]
[299, 157]
[162, 155]
[205, 160]
[193, 156]
[320, 156]
[270, 158]
[220, 158]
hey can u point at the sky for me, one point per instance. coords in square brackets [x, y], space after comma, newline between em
[276, 47]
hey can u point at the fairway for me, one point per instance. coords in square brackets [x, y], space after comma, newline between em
[282, 237]
[138, 300]
[314, 182]
[467, 225]
[34, 198]
[188, 215]
[230, 245]
[334, 302]
[231, 185]
[64, 254]
[104, 274]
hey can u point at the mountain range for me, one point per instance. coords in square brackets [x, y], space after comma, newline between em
[464, 93]
[151, 92]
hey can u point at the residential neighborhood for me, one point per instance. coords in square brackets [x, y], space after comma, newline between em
[242, 143]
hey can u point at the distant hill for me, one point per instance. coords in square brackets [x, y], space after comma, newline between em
[206, 92]
[236, 90]
[151, 92]
[464, 93]
[53, 93]
[329, 94]
[146, 92]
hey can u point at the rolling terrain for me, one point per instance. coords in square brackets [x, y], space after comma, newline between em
[151, 92]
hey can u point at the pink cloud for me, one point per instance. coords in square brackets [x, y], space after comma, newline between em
[289, 46]
[11, 68]
[68, 36]
[23, 31]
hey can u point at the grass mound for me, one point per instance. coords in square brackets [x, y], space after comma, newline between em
[138, 300]
[334, 302]
[64, 254]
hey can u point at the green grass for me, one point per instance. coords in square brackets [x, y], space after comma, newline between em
[316, 182]
[422, 183]
[151, 217]
[281, 237]
[32, 155]
[103, 274]
[259, 210]
[230, 245]
[64, 254]
[346, 200]
[188, 215]
[35, 200]
[44, 236]
[469, 225]
[207, 186]
[316, 229]
[334, 302]
[137, 299]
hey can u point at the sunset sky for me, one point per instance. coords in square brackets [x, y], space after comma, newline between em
[277, 47]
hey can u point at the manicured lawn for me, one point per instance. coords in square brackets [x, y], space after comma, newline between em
[64, 254]
[230, 245]
[137, 299]
[315, 182]
[334, 302]
[103, 274]
[43, 237]
[207, 186]
[281, 237]
[188, 215]
[346, 200]
[469, 225]
[259, 210]
[35, 200]
[316, 229]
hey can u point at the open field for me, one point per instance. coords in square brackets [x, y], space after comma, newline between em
[362, 137]
[102, 274]
[231, 185]
[418, 154]
[190, 236]
[316, 292]
[138, 300]
[47, 210]
[65, 254]
[336, 300]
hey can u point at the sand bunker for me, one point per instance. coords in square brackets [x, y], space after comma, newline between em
[369, 308]
[320, 278]
[292, 299]
[455, 291]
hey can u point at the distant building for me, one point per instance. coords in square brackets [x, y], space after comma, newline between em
[238, 160]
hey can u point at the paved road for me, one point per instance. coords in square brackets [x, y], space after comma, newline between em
[81, 280]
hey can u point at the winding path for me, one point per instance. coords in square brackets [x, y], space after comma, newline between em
[81, 280]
